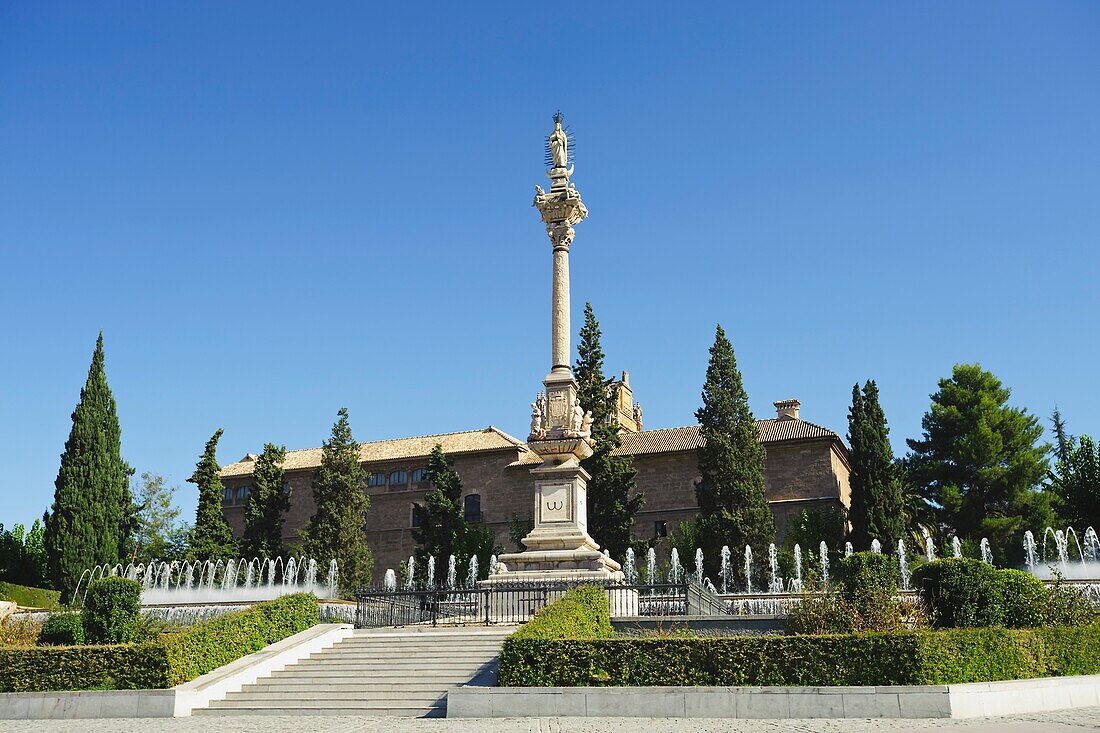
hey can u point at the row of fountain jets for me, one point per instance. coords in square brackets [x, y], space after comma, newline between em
[1088, 555]
[262, 579]
[222, 581]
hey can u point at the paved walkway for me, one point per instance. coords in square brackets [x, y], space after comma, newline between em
[1076, 721]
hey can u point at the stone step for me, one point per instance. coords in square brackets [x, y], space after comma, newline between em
[405, 697]
[420, 660]
[307, 704]
[373, 688]
[405, 712]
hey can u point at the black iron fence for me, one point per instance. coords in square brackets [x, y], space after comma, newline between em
[517, 602]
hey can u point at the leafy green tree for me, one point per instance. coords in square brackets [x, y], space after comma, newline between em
[335, 531]
[613, 500]
[518, 528]
[1076, 477]
[876, 511]
[981, 462]
[23, 555]
[443, 529]
[815, 526]
[733, 509]
[268, 502]
[210, 537]
[158, 526]
[88, 521]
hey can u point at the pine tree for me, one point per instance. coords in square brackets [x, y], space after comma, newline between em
[730, 493]
[876, 511]
[210, 538]
[443, 530]
[613, 500]
[92, 491]
[981, 462]
[335, 531]
[268, 502]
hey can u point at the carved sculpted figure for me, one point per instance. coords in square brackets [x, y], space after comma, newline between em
[638, 414]
[536, 418]
[578, 418]
[559, 146]
[586, 425]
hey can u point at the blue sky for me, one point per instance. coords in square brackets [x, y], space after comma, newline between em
[275, 210]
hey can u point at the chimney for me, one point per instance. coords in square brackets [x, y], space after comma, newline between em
[786, 409]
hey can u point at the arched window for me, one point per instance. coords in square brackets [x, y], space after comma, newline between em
[399, 478]
[377, 479]
[420, 475]
[286, 488]
[243, 492]
[471, 507]
[227, 494]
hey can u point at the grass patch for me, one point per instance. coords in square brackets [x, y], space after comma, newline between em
[26, 595]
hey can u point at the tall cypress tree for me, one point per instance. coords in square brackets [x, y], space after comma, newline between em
[335, 531]
[86, 523]
[443, 529]
[210, 538]
[732, 505]
[268, 502]
[613, 501]
[876, 511]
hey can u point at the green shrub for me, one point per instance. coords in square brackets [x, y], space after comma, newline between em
[111, 610]
[867, 576]
[820, 614]
[581, 613]
[1066, 606]
[62, 628]
[169, 660]
[1024, 599]
[896, 658]
[960, 592]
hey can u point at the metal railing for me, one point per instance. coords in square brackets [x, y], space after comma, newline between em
[517, 602]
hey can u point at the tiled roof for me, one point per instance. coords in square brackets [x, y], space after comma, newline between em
[667, 440]
[670, 440]
[470, 441]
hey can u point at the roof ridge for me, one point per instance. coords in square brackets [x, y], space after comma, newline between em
[410, 437]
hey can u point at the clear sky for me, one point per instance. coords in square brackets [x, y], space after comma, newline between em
[273, 210]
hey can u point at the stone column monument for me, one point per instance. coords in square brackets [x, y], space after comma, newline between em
[559, 546]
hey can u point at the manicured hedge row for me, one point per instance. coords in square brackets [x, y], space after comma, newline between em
[167, 661]
[897, 658]
[204, 647]
[114, 667]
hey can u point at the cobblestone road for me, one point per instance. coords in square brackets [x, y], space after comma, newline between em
[1065, 722]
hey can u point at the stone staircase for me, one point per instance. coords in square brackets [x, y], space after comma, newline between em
[405, 671]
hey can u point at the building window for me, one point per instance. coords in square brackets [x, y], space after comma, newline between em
[377, 479]
[471, 507]
[286, 488]
[227, 494]
[660, 529]
[415, 516]
[399, 478]
[420, 475]
[243, 492]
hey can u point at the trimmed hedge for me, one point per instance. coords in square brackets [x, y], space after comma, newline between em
[203, 647]
[62, 628]
[169, 660]
[581, 613]
[896, 658]
[961, 591]
[112, 607]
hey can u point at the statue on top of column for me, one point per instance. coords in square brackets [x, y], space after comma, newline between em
[559, 144]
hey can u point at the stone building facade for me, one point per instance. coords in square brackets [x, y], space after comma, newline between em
[806, 468]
